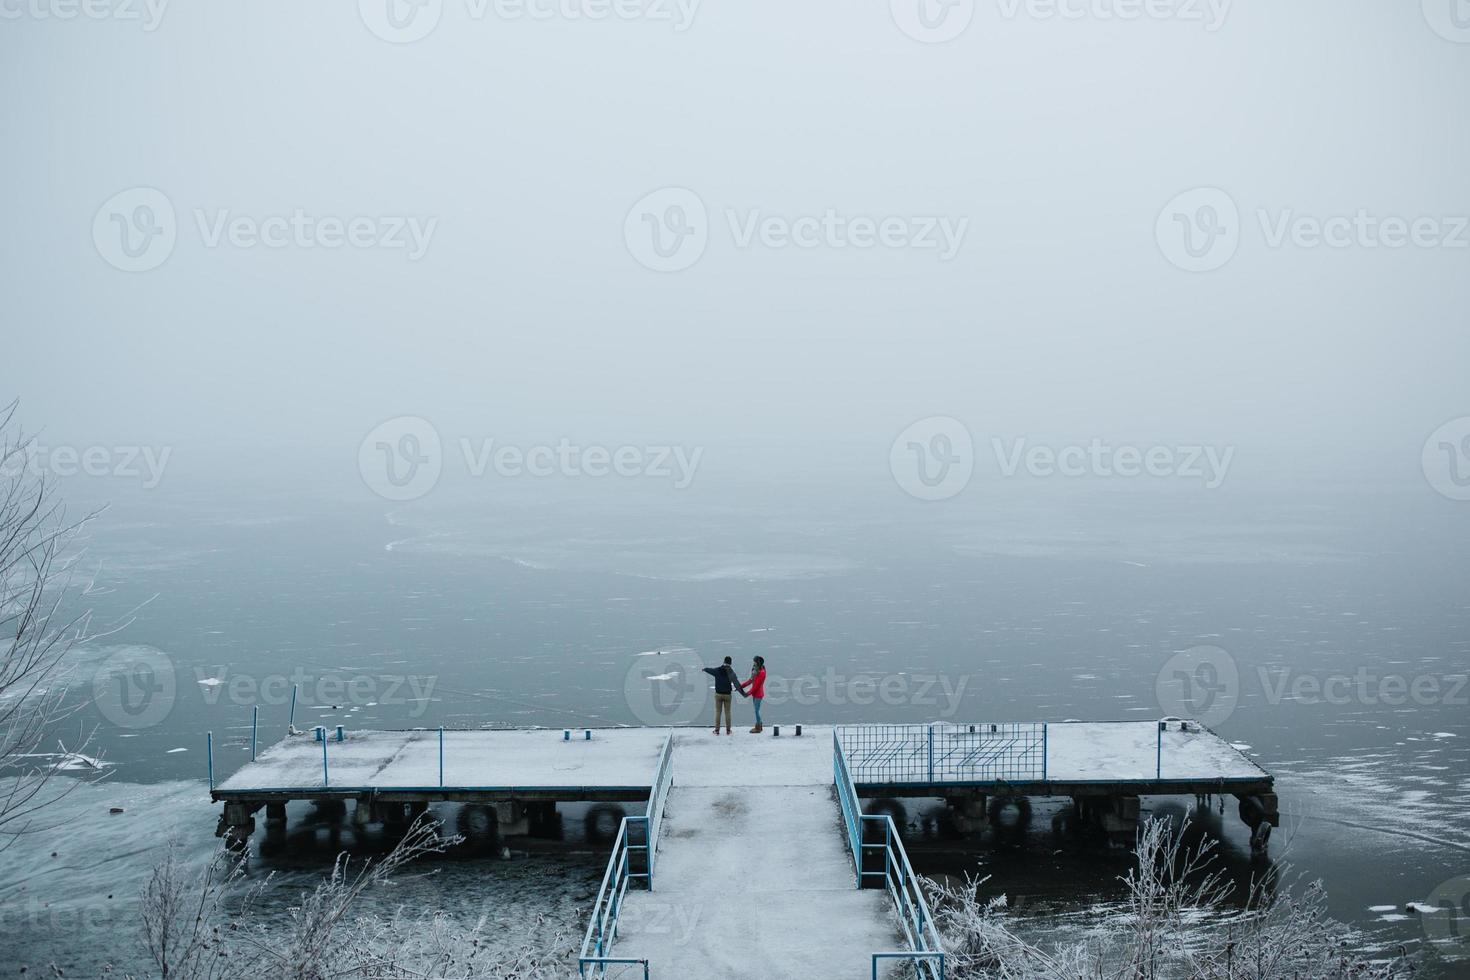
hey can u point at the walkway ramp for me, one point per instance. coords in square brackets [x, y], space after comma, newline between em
[753, 878]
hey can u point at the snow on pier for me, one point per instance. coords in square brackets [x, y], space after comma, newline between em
[754, 879]
[753, 835]
[485, 764]
[619, 763]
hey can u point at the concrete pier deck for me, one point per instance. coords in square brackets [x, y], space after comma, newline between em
[478, 766]
[754, 836]
[754, 879]
[1072, 759]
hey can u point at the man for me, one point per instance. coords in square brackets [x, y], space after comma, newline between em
[725, 682]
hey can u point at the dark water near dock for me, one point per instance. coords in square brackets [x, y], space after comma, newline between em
[458, 614]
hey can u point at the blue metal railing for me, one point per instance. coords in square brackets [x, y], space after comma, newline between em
[925, 951]
[602, 930]
[942, 752]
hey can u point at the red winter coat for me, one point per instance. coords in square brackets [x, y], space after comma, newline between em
[756, 686]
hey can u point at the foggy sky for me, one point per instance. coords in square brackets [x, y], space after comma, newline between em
[527, 318]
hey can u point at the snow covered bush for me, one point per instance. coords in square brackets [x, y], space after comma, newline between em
[202, 926]
[1179, 922]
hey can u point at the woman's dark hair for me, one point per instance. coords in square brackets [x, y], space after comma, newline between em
[760, 661]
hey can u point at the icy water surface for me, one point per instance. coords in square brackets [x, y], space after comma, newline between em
[463, 614]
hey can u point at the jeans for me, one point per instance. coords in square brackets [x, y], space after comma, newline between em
[757, 703]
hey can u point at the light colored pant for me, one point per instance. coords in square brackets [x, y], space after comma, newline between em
[757, 703]
[722, 704]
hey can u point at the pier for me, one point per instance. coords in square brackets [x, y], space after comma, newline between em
[750, 855]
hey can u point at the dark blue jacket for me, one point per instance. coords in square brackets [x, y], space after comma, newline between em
[724, 676]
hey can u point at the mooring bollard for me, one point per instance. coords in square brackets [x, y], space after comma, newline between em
[566, 734]
[587, 734]
[798, 731]
[775, 731]
[340, 734]
[319, 733]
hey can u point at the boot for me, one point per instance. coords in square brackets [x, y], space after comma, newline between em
[757, 729]
[728, 732]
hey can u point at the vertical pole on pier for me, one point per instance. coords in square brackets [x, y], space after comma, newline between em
[1159, 754]
[291, 720]
[931, 752]
[325, 782]
[209, 751]
[254, 721]
[1043, 751]
[441, 756]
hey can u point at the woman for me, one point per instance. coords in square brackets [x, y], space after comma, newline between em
[755, 688]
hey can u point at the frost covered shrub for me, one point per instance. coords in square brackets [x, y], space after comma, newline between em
[202, 926]
[1179, 923]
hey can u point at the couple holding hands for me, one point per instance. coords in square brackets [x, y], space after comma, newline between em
[726, 683]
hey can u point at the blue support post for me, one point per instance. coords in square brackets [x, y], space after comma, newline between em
[931, 752]
[441, 756]
[291, 719]
[209, 751]
[325, 781]
[254, 722]
[1043, 751]
[1159, 753]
